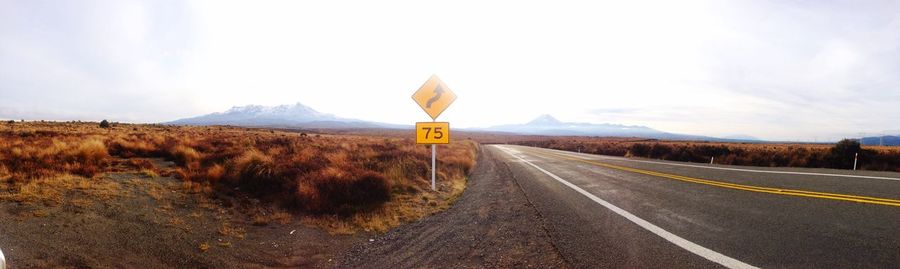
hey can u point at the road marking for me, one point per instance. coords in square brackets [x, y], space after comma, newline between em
[791, 192]
[736, 169]
[699, 250]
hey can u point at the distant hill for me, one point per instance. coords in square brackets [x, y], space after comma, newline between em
[288, 116]
[301, 116]
[548, 125]
[888, 140]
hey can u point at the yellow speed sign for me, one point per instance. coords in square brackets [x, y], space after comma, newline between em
[432, 133]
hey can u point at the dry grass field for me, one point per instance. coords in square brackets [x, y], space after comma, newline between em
[345, 183]
[839, 156]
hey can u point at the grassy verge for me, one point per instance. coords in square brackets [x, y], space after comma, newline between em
[344, 183]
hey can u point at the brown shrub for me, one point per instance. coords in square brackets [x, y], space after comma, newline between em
[37, 157]
[5, 175]
[338, 190]
[185, 156]
[254, 172]
[142, 164]
[183, 174]
[92, 151]
[132, 148]
[215, 173]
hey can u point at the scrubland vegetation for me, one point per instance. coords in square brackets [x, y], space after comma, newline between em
[839, 156]
[343, 181]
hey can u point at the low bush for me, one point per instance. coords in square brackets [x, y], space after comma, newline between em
[342, 190]
[185, 157]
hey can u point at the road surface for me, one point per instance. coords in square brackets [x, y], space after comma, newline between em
[606, 212]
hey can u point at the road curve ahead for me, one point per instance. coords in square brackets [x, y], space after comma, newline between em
[602, 212]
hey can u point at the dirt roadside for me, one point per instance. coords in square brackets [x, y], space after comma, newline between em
[130, 220]
[492, 225]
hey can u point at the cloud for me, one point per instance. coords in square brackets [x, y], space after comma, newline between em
[91, 60]
[615, 111]
[771, 69]
[808, 69]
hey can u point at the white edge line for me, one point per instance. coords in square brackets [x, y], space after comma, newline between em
[677, 240]
[721, 168]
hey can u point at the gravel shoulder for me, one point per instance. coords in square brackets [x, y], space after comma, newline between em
[492, 225]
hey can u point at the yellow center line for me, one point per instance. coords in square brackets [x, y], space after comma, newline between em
[791, 192]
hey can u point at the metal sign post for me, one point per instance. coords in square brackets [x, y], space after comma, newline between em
[433, 165]
[434, 97]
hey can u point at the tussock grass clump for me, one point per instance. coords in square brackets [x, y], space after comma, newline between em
[129, 147]
[185, 156]
[215, 173]
[255, 172]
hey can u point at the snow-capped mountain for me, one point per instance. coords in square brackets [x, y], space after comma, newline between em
[548, 125]
[296, 115]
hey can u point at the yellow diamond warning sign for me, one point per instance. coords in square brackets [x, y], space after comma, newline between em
[434, 97]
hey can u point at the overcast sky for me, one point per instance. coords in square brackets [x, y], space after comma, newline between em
[787, 70]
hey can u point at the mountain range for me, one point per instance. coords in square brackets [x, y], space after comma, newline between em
[548, 125]
[887, 140]
[301, 116]
[290, 116]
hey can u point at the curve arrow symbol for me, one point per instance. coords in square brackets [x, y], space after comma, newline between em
[438, 91]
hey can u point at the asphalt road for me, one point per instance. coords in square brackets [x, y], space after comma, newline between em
[607, 212]
[538, 208]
